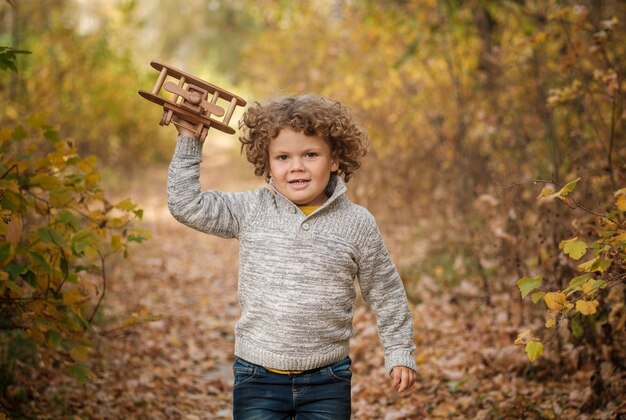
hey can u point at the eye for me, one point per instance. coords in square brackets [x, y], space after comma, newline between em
[281, 157]
[311, 154]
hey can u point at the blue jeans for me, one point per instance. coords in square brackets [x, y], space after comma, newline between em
[319, 394]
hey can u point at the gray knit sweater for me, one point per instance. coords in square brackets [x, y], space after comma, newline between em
[296, 273]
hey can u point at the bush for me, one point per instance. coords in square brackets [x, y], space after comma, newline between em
[57, 230]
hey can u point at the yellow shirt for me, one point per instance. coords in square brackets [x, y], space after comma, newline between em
[307, 210]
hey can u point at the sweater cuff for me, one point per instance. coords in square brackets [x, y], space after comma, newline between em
[401, 357]
[186, 146]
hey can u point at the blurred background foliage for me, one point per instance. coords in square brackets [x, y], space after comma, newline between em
[472, 108]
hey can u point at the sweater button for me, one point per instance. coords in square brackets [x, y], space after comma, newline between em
[305, 226]
[292, 210]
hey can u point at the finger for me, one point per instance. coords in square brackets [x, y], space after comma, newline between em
[404, 383]
[396, 378]
[410, 379]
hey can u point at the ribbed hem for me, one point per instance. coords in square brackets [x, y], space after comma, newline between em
[253, 353]
[400, 358]
[186, 146]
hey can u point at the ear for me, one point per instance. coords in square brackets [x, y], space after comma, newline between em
[334, 167]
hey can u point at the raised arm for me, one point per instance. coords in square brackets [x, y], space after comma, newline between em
[217, 213]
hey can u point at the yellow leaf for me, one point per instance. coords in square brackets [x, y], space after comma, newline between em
[550, 323]
[620, 199]
[555, 300]
[587, 307]
[588, 286]
[71, 296]
[91, 252]
[5, 134]
[126, 204]
[546, 192]
[574, 248]
[620, 203]
[92, 179]
[534, 349]
[79, 353]
[116, 242]
[587, 266]
[537, 296]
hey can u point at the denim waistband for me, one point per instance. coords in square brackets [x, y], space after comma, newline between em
[303, 372]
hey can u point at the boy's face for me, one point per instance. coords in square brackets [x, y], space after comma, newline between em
[300, 166]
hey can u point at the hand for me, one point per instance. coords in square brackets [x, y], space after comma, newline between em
[182, 130]
[402, 378]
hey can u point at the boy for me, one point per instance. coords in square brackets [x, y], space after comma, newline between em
[302, 244]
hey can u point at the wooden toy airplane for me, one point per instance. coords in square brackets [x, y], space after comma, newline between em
[190, 102]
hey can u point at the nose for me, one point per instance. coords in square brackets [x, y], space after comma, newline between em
[296, 164]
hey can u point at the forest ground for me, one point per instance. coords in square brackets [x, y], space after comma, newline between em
[180, 365]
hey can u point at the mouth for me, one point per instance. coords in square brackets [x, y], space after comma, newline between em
[299, 182]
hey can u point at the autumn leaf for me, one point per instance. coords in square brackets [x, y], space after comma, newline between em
[537, 296]
[587, 307]
[620, 203]
[72, 296]
[595, 264]
[534, 349]
[79, 353]
[574, 248]
[527, 284]
[587, 287]
[549, 193]
[555, 300]
[620, 199]
[81, 372]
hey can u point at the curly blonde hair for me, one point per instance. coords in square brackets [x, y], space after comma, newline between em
[311, 114]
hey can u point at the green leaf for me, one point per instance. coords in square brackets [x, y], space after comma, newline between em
[563, 192]
[80, 372]
[534, 349]
[45, 181]
[53, 337]
[574, 248]
[136, 238]
[61, 197]
[576, 327]
[30, 278]
[576, 283]
[51, 135]
[595, 264]
[6, 251]
[568, 188]
[126, 204]
[527, 284]
[19, 133]
[50, 236]
[15, 270]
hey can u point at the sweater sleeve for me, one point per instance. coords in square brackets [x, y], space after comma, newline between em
[214, 212]
[384, 292]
